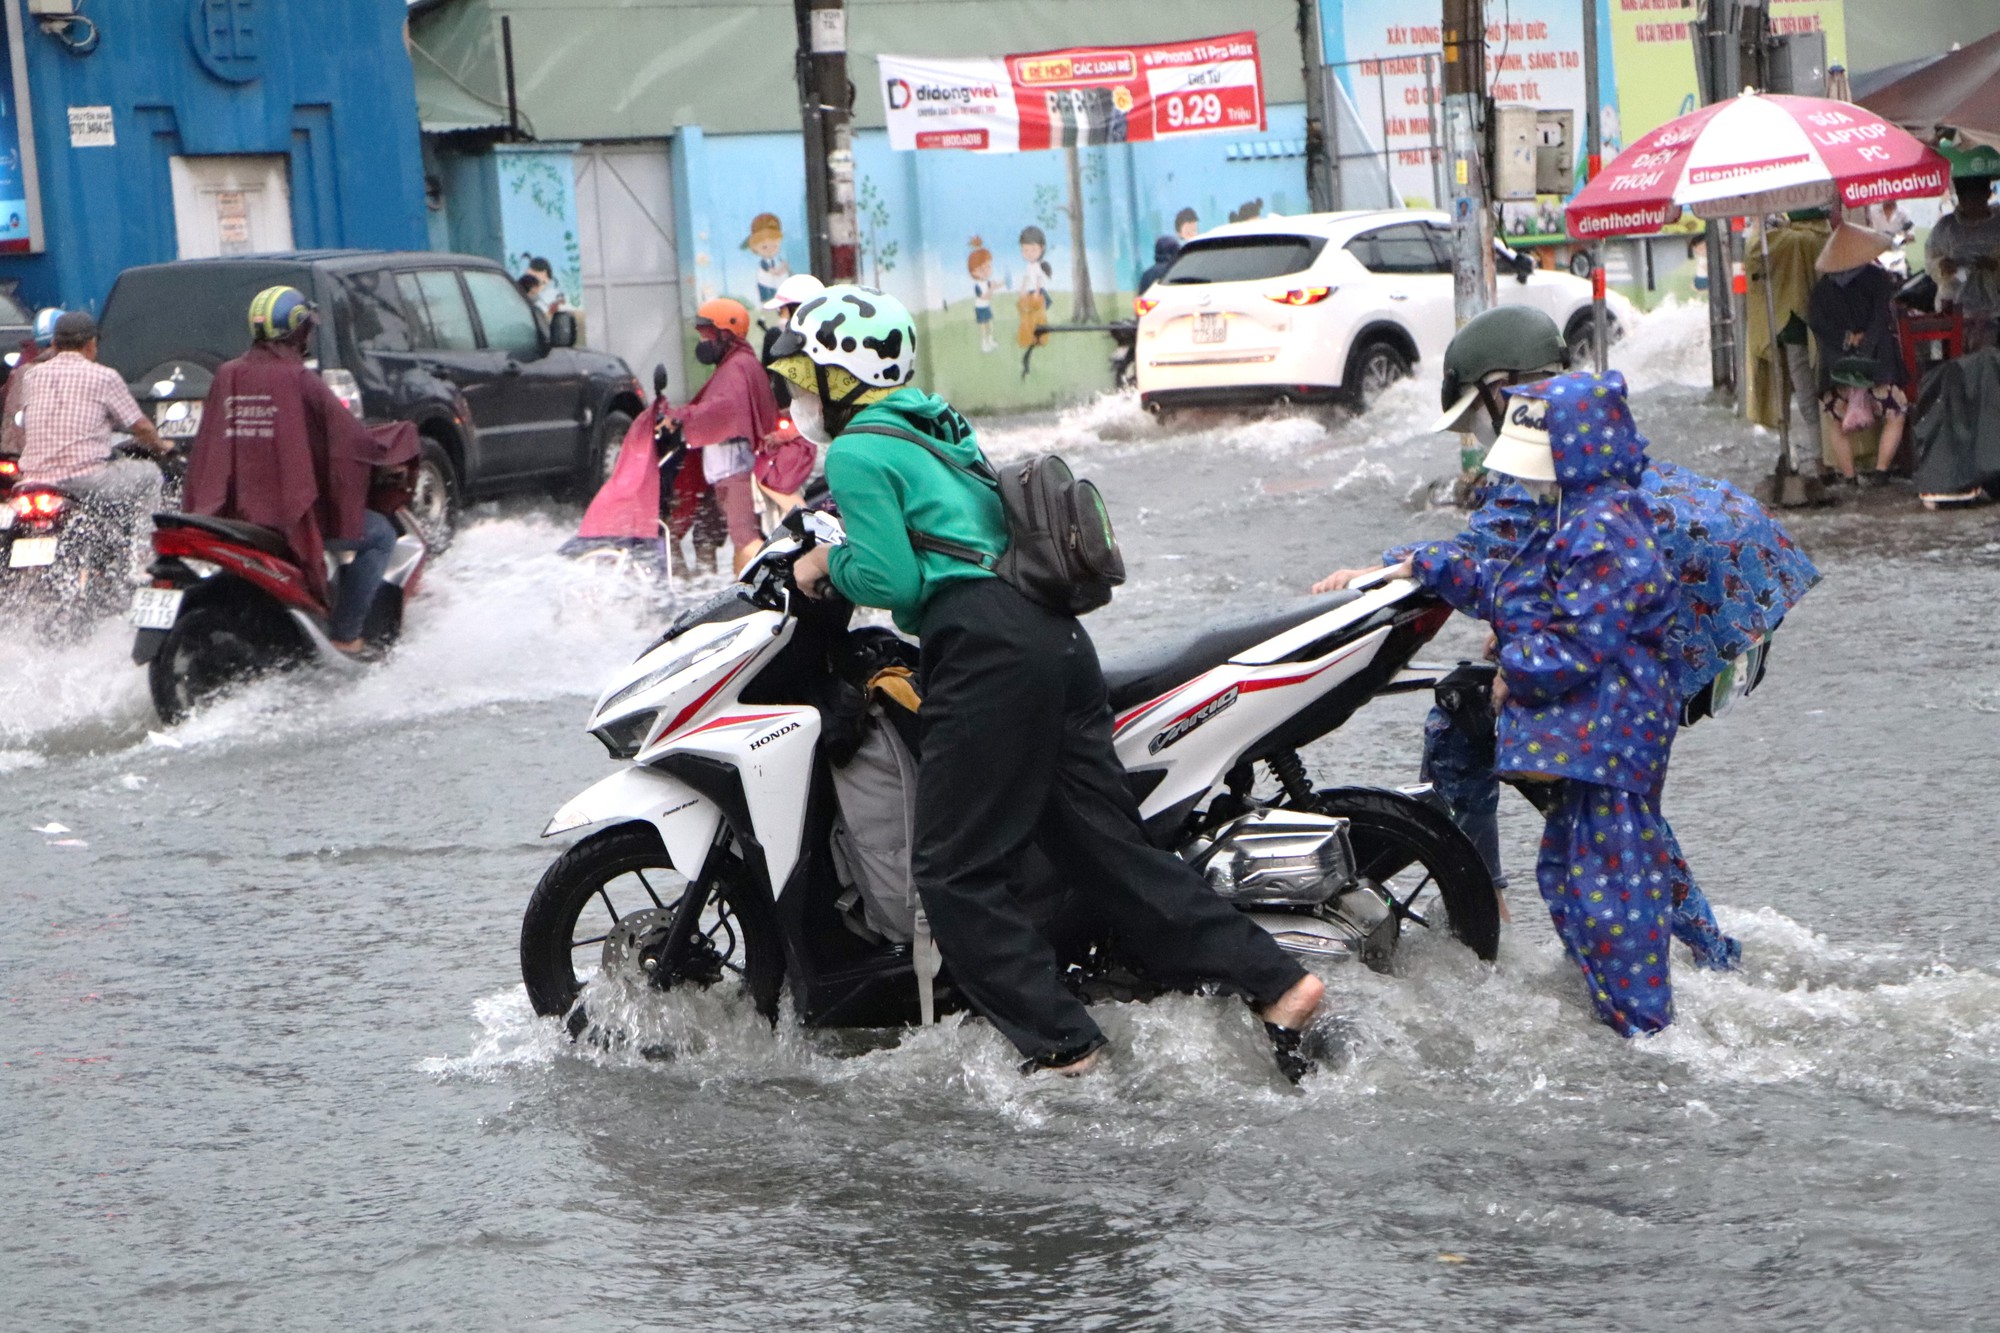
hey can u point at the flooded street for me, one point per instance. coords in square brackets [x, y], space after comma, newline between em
[266, 1062]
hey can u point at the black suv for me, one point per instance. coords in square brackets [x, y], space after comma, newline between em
[503, 398]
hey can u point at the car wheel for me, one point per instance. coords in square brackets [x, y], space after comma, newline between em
[1372, 368]
[434, 500]
[603, 454]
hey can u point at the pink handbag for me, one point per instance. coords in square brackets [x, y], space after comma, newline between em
[783, 467]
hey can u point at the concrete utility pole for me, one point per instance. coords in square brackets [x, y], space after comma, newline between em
[1322, 172]
[1715, 67]
[814, 138]
[1465, 151]
[1593, 162]
[826, 106]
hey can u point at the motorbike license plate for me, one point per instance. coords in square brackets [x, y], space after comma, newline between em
[156, 608]
[1211, 328]
[178, 421]
[30, 552]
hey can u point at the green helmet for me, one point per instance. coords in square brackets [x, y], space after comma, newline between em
[1971, 160]
[1506, 340]
[864, 332]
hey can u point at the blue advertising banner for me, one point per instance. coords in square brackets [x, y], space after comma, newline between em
[16, 234]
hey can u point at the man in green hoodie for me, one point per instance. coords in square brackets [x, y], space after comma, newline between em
[1016, 723]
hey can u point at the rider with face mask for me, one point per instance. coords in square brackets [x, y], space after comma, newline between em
[1016, 726]
[724, 421]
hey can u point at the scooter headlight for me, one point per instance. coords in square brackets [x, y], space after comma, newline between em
[624, 737]
[673, 668]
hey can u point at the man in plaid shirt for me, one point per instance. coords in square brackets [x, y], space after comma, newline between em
[74, 407]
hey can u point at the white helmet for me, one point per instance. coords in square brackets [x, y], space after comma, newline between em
[795, 290]
[866, 333]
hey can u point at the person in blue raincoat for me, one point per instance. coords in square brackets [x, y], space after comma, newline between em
[1583, 613]
[1739, 572]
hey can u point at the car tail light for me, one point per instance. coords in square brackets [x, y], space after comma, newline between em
[38, 506]
[346, 388]
[1142, 305]
[1300, 295]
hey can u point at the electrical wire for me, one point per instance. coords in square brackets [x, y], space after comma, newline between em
[58, 28]
[526, 123]
[1506, 40]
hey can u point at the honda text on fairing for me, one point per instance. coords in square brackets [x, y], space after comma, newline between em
[727, 844]
[229, 601]
[66, 559]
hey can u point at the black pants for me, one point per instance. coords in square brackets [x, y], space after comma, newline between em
[1017, 749]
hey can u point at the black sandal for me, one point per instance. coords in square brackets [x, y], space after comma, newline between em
[1288, 1047]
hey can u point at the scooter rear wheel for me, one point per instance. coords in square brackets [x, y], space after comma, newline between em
[205, 652]
[624, 870]
[1406, 847]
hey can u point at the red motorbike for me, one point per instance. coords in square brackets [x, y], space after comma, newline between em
[230, 601]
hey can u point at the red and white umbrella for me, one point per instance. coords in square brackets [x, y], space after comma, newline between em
[1755, 154]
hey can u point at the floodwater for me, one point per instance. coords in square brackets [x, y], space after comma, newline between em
[265, 1061]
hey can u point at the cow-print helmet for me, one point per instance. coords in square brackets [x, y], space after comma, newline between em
[866, 333]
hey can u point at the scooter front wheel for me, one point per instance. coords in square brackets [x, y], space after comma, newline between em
[615, 901]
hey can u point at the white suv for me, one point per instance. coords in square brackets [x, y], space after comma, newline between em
[1321, 306]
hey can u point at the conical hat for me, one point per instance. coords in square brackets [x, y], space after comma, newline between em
[1850, 247]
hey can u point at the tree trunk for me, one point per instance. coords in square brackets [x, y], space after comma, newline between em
[1084, 307]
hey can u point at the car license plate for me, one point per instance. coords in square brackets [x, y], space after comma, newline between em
[29, 552]
[1210, 328]
[156, 608]
[178, 421]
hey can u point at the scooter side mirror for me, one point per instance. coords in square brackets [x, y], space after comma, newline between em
[562, 329]
[659, 379]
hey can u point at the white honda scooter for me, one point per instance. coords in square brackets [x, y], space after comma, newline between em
[758, 826]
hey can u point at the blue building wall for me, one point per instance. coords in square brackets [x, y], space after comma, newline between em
[327, 83]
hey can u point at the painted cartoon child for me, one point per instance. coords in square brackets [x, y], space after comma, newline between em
[980, 265]
[1187, 224]
[1033, 302]
[767, 242]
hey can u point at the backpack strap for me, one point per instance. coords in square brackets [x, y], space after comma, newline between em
[983, 472]
[923, 541]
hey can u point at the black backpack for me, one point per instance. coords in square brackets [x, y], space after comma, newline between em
[1061, 551]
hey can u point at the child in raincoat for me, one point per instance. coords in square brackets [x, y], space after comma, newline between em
[1584, 610]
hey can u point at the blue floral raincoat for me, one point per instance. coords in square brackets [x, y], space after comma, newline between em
[1584, 610]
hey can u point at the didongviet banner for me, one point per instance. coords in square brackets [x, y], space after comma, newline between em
[1086, 95]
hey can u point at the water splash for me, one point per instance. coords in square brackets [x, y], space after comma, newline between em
[1872, 1022]
[500, 617]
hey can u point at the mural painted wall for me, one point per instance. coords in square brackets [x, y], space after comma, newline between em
[980, 246]
[538, 219]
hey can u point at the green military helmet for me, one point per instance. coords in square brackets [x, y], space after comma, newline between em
[1507, 340]
[866, 333]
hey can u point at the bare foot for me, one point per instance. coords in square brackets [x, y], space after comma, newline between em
[1077, 1068]
[1296, 1007]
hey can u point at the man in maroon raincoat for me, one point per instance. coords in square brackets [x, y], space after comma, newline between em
[278, 449]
